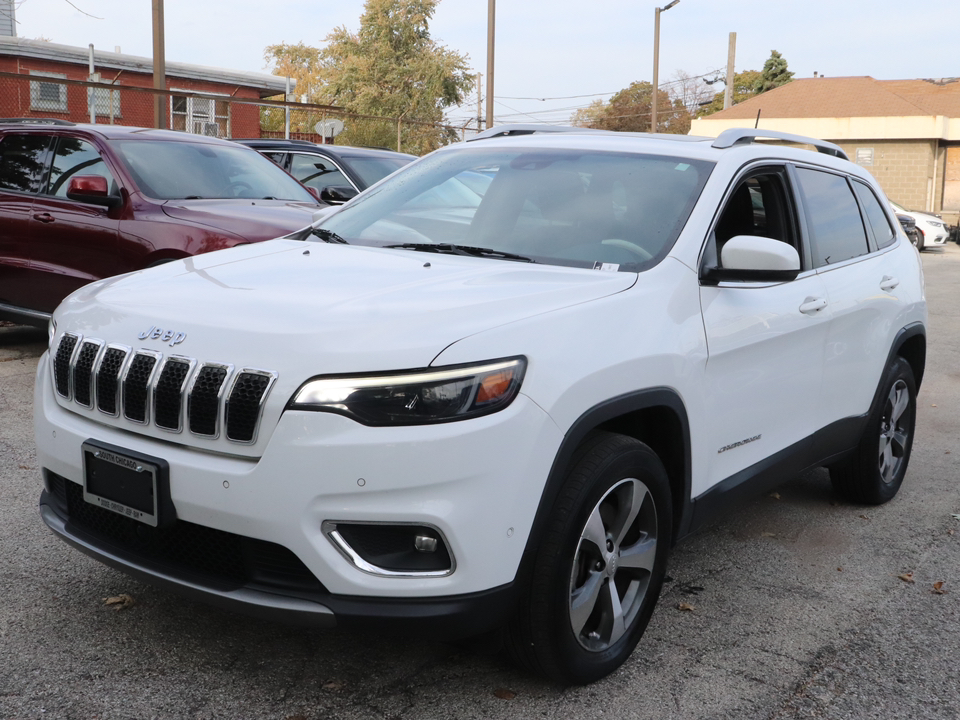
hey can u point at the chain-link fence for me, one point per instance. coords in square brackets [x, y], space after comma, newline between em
[47, 95]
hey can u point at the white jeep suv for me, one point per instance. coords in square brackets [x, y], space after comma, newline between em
[493, 390]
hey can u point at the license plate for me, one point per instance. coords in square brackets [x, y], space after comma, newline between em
[125, 482]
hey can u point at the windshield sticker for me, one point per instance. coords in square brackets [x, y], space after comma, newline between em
[681, 167]
[606, 267]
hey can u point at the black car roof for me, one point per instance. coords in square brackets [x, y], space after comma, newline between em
[306, 145]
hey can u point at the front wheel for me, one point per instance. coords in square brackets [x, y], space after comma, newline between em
[600, 566]
[875, 472]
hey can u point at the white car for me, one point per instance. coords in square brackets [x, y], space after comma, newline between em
[933, 230]
[456, 417]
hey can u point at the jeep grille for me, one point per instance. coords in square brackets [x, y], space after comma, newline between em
[169, 392]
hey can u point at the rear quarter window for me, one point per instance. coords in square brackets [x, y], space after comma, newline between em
[833, 217]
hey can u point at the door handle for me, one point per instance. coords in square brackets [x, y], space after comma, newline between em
[812, 305]
[888, 283]
[44, 217]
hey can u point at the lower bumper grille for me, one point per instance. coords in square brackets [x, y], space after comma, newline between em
[186, 547]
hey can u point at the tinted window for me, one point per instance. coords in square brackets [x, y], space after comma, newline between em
[316, 171]
[21, 161]
[189, 170]
[875, 215]
[578, 208]
[833, 217]
[76, 157]
[374, 169]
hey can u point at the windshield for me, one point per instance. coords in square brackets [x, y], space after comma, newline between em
[615, 211]
[374, 169]
[168, 170]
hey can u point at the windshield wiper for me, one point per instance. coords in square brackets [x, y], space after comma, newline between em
[328, 236]
[451, 249]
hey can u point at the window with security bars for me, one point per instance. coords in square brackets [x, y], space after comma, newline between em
[200, 116]
[106, 102]
[48, 96]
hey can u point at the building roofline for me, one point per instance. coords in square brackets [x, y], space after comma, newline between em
[267, 85]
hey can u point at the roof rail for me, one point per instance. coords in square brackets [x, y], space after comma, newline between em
[741, 136]
[528, 129]
[34, 121]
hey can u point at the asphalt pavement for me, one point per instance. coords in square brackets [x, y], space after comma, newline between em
[797, 605]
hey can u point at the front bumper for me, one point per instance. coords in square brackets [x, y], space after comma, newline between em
[479, 482]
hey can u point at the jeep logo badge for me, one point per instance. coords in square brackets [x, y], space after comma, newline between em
[168, 336]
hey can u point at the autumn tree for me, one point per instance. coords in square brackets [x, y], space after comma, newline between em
[630, 109]
[390, 68]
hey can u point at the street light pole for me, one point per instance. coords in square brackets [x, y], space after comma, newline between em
[491, 17]
[656, 62]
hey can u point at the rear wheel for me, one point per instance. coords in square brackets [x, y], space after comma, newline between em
[600, 567]
[919, 239]
[876, 471]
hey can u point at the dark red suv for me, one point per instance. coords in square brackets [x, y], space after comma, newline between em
[83, 202]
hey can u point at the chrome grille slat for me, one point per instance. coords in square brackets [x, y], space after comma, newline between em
[109, 373]
[83, 372]
[169, 392]
[136, 386]
[62, 363]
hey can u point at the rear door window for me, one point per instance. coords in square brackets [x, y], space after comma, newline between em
[21, 161]
[876, 217]
[833, 217]
[317, 171]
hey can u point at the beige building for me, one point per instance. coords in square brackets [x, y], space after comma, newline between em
[905, 132]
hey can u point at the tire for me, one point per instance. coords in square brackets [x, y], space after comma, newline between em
[875, 473]
[919, 240]
[585, 607]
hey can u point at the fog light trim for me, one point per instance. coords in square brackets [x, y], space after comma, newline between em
[329, 528]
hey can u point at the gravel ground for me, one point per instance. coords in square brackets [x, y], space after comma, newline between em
[798, 608]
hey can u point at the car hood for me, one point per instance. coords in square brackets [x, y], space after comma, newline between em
[250, 219]
[303, 309]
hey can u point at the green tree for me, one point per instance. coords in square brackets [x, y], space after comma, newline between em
[392, 67]
[774, 73]
[630, 109]
[744, 88]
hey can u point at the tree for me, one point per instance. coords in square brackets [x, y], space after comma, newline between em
[393, 68]
[744, 88]
[774, 73]
[629, 111]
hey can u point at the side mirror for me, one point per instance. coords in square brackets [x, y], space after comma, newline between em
[337, 194]
[754, 259]
[313, 191]
[92, 189]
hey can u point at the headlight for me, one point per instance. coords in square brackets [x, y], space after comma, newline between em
[420, 397]
[51, 331]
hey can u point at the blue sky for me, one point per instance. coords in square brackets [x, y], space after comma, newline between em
[550, 49]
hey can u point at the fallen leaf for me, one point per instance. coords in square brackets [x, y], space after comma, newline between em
[906, 577]
[951, 531]
[934, 405]
[24, 467]
[775, 496]
[839, 569]
[864, 517]
[768, 534]
[938, 588]
[686, 607]
[120, 602]
[333, 685]
[504, 694]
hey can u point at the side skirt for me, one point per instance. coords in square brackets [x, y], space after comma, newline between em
[826, 446]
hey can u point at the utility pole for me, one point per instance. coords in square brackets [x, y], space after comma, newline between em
[731, 60]
[479, 103]
[159, 68]
[491, 20]
[656, 62]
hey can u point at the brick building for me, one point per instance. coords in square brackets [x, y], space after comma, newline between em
[45, 90]
[905, 132]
